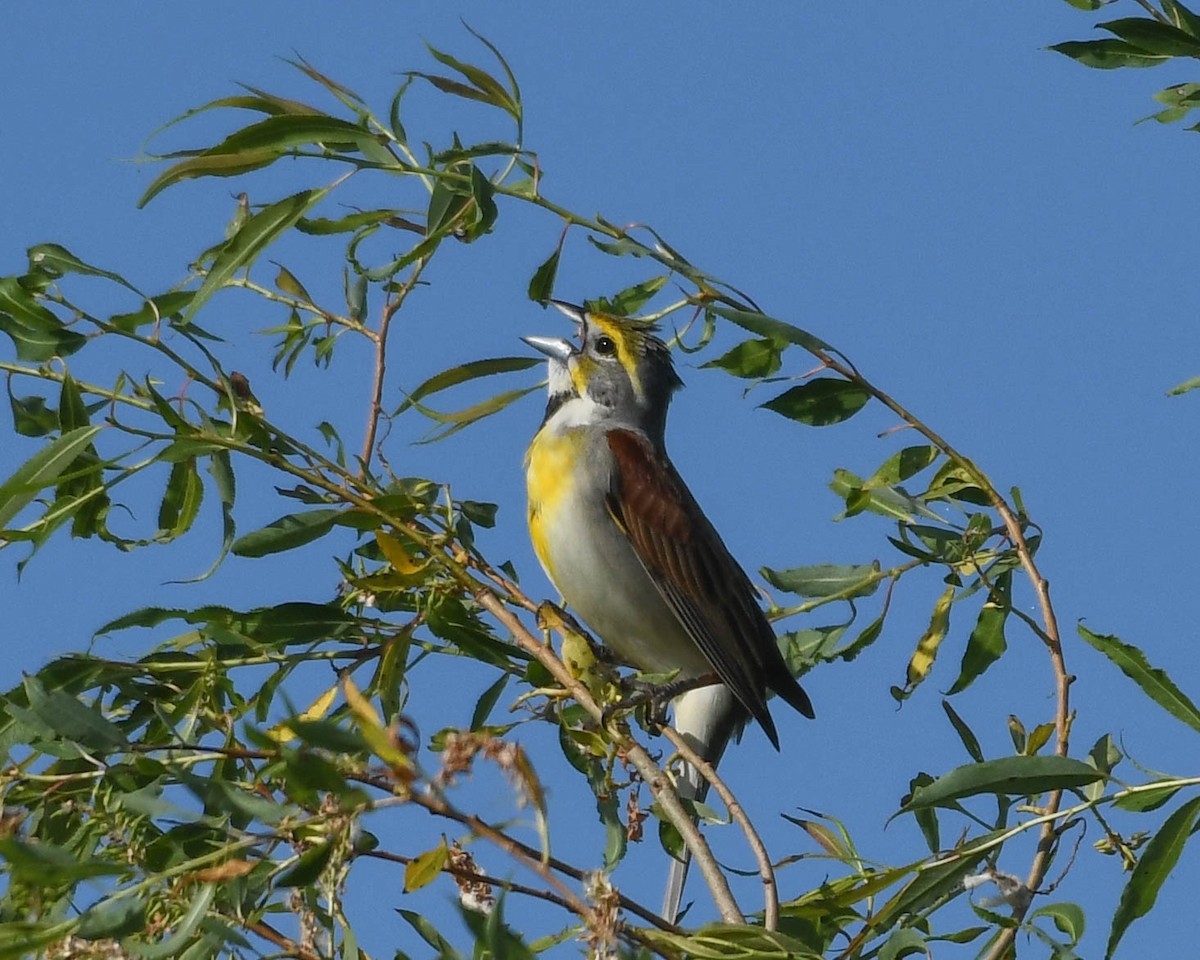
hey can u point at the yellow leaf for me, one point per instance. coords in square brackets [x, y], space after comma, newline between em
[282, 733]
[421, 870]
[360, 706]
[228, 870]
[927, 646]
[393, 550]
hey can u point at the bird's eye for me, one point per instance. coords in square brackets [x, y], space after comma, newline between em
[605, 346]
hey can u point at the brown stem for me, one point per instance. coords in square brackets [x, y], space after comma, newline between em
[1049, 634]
[380, 337]
[765, 869]
[659, 783]
[631, 906]
[287, 945]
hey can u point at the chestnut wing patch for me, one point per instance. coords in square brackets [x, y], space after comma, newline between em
[693, 571]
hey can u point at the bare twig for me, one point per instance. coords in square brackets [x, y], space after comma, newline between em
[380, 339]
[655, 778]
[765, 870]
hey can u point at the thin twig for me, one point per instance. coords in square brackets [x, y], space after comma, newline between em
[393, 304]
[631, 906]
[765, 869]
[653, 775]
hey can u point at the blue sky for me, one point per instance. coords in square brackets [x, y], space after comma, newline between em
[974, 220]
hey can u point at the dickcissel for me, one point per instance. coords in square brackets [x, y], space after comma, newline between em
[625, 543]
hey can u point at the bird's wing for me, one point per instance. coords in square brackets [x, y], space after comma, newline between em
[697, 576]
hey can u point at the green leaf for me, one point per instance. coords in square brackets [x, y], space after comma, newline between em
[986, 644]
[254, 236]
[429, 933]
[208, 165]
[472, 370]
[487, 702]
[58, 260]
[1185, 387]
[424, 868]
[1088, 4]
[969, 741]
[926, 816]
[629, 301]
[41, 470]
[172, 945]
[31, 416]
[287, 533]
[37, 334]
[904, 942]
[1147, 797]
[460, 419]
[305, 871]
[820, 402]
[181, 500]
[1008, 776]
[1154, 37]
[156, 309]
[44, 863]
[112, 918]
[493, 91]
[1067, 917]
[1107, 54]
[1154, 682]
[1153, 867]
[541, 284]
[771, 328]
[71, 719]
[901, 465]
[750, 359]
[826, 579]
[1182, 17]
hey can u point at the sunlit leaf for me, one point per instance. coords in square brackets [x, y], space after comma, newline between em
[41, 470]
[901, 465]
[923, 657]
[181, 500]
[750, 359]
[423, 869]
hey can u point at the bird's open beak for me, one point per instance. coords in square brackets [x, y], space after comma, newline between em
[556, 348]
[578, 314]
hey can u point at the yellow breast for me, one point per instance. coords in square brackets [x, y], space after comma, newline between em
[549, 478]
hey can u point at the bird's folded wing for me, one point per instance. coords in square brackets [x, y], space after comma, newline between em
[693, 570]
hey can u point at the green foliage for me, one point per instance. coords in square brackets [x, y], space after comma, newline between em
[181, 804]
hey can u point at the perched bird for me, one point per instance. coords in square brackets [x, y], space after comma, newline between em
[625, 543]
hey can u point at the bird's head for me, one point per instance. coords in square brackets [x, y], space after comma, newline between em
[618, 366]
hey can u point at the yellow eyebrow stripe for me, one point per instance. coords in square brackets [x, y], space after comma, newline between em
[627, 352]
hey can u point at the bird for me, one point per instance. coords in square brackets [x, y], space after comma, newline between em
[629, 549]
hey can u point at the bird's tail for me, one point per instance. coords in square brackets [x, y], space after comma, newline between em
[706, 717]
